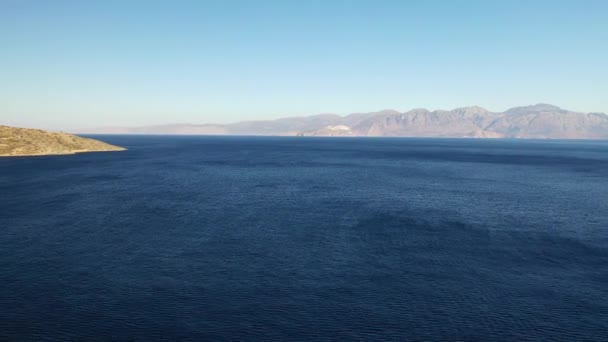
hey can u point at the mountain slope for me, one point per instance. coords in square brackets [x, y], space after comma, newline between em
[538, 121]
[30, 142]
[546, 121]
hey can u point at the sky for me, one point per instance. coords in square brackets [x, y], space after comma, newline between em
[80, 64]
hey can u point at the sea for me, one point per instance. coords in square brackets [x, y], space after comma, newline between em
[194, 238]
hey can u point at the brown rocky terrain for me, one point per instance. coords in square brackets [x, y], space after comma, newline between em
[33, 142]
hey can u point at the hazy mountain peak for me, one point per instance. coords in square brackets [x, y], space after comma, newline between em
[389, 111]
[471, 110]
[419, 110]
[537, 108]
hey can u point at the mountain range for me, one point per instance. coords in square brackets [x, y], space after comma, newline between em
[541, 121]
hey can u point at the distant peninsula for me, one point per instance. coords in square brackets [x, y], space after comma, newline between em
[33, 142]
[540, 121]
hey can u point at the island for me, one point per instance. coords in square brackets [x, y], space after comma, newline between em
[34, 142]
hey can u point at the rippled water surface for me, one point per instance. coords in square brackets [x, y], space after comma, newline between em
[275, 239]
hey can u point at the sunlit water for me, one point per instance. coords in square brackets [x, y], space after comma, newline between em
[275, 239]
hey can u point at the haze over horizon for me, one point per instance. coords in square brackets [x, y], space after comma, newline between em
[68, 64]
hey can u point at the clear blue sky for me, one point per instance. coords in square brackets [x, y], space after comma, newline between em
[74, 64]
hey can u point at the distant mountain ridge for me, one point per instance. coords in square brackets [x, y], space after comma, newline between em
[540, 121]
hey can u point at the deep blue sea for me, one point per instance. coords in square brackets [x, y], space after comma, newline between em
[307, 239]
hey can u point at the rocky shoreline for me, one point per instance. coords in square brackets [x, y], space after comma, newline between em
[15, 142]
